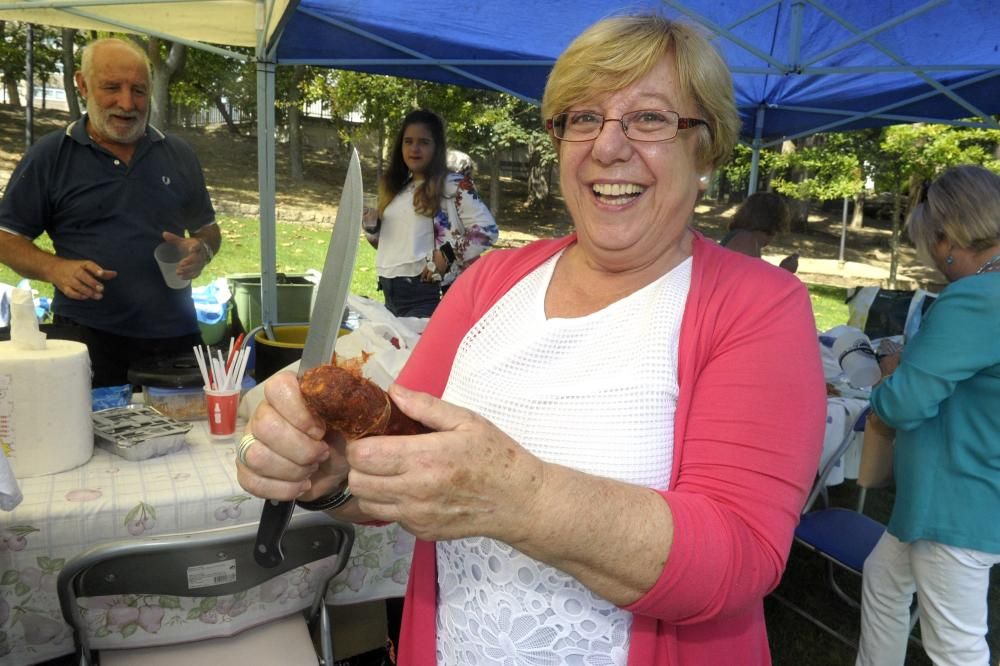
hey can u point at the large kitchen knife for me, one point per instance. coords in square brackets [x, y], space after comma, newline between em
[324, 326]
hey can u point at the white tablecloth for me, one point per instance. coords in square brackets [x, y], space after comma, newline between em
[112, 498]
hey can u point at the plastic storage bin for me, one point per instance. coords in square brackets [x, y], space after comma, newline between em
[184, 404]
[294, 292]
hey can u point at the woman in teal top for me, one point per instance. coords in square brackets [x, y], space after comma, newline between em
[942, 395]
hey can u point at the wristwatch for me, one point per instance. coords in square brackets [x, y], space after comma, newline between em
[207, 249]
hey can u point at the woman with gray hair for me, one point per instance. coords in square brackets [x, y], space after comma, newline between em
[625, 421]
[941, 395]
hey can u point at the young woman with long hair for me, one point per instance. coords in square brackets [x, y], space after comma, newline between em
[430, 223]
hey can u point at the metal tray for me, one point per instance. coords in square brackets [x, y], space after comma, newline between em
[137, 432]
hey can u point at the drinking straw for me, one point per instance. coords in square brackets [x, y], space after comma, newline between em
[234, 349]
[202, 367]
[241, 366]
[219, 365]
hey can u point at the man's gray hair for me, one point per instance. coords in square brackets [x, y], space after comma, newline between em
[87, 54]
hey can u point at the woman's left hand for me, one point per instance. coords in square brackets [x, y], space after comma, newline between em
[467, 478]
[888, 363]
[440, 267]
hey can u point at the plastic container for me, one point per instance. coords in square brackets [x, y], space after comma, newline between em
[212, 334]
[183, 404]
[294, 293]
[136, 432]
[273, 355]
[178, 371]
[286, 348]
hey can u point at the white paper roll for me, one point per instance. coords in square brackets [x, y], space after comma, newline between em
[45, 407]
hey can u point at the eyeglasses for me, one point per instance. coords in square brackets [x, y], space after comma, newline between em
[643, 125]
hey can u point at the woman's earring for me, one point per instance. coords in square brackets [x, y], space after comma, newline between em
[949, 259]
[704, 179]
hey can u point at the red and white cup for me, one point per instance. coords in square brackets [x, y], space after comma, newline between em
[222, 407]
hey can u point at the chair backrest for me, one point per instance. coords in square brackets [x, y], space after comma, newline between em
[819, 486]
[207, 563]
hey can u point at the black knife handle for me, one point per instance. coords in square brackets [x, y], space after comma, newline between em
[273, 521]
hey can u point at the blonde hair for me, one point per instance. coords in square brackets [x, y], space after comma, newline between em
[962, 206]
[616, 52]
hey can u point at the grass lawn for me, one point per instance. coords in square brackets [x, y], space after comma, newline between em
[828, 304]
[301, 247]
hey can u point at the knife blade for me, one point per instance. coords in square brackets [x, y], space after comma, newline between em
[324, 327]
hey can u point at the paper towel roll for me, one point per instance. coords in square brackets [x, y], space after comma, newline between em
[45, 407]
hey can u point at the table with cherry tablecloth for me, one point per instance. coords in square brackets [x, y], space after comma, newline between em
[108, 498]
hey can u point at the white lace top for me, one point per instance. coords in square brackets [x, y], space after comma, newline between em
[595, 393]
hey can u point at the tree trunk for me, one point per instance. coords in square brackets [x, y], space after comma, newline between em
[295, 170]
[69, 68]
[858, 216]
[13, 96]
[538, 184]
[163, 71]
[380, 168]
[797, 208]
[495, 182]
[226, 114]
[10, 79]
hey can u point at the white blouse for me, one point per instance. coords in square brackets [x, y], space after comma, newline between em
[595, 393]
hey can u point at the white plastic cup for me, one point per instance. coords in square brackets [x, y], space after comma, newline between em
[853, 351]
[369, 213]
[168, 256]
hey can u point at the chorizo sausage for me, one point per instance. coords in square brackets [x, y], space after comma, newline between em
[352, 404]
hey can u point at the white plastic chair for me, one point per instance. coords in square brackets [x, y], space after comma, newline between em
[163, 565]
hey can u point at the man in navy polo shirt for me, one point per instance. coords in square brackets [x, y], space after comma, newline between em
[108, 189]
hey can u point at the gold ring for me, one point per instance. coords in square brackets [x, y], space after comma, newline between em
[245, 443]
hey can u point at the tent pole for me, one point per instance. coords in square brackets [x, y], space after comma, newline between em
[843, 235]
[29, 87]
[758, 131]
[266, 178]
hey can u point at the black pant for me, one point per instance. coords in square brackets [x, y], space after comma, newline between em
[111, 355]
[409, 297]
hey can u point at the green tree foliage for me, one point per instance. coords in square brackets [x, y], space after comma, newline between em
[212, 80]
[13, 49]
[924, 150]
[737, 170]
[827, 169]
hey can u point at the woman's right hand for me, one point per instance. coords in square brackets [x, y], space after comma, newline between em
[293, 457]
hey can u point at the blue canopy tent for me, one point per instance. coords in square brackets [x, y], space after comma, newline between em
[800, 66]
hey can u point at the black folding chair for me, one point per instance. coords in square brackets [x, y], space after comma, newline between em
[844, 537]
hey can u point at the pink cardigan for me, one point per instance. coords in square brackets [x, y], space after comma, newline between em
[748, 432]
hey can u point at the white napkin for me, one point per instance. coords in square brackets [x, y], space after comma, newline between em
[24, 332]
[10, 492]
